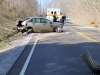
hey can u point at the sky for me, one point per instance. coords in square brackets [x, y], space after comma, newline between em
[43, 5]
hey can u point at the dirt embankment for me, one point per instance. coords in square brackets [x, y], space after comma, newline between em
[12, 10]
[6, 28]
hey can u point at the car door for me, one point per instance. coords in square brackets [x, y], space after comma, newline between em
[46, 25]
[37, 25]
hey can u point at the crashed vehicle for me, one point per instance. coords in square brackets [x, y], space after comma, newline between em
[38, 24]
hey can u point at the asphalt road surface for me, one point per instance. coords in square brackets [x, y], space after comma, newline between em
[59, 53]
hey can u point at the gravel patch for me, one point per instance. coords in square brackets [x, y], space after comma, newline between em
[11, 52]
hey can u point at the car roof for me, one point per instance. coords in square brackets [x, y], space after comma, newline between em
[36, 17]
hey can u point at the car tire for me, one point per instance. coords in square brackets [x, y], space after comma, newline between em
[30, 30]
[25, 33]
[58, 29]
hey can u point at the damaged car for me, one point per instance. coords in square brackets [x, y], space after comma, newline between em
[38, 24]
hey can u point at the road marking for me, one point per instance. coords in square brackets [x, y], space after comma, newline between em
[28, 59]
[83, 35]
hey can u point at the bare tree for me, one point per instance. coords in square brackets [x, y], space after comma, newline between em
[18, 8]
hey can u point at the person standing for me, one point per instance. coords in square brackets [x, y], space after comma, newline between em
[55, 17]
[63, 18]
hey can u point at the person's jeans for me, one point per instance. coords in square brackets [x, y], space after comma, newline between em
[62, 21]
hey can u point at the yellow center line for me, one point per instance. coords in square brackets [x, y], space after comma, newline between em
[83, 35]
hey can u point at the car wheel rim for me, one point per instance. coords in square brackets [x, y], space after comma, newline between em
[59, 29]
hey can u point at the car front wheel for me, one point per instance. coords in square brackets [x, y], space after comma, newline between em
[58, 29]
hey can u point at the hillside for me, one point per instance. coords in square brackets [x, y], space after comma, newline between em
[81, 11]
[12, 10]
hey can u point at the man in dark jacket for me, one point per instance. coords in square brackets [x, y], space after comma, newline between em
[63, 18]
[55, 17]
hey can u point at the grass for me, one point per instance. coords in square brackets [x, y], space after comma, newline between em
[8, 40]
[7, 34]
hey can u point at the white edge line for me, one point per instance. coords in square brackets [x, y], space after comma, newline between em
[28, 59]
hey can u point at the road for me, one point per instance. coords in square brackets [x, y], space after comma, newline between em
[59, 53]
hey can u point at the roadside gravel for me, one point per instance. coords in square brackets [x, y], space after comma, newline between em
[10, 53]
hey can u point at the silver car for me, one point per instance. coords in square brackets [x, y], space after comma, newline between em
[38, 24]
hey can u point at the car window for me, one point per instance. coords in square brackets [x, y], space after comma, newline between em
[33, 20]
[47, 21]
[37, 20]
[42, 20]
[30, 20]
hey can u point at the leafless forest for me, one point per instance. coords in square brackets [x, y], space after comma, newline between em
[81, 11]
[18, 8]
